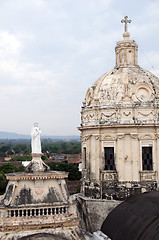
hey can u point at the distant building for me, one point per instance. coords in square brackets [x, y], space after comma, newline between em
[7, 159]
[25, 163]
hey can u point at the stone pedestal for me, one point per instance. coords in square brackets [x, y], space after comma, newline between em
[37, 165]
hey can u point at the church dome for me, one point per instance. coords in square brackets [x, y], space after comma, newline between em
[135, 218]
[123, 85]
[127, 86]
[120, 128]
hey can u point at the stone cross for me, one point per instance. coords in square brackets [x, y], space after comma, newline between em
[126, 21]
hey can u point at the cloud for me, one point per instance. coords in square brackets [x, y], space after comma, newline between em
[9, 45]
[52, 51]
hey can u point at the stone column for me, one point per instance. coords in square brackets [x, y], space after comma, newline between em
[128, 163]
[120, 156]
[135, 157]
[88, 155]
[95, 161]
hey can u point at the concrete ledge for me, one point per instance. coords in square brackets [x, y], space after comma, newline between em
[93, 212]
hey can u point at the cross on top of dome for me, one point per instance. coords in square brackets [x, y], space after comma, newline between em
[126, 21]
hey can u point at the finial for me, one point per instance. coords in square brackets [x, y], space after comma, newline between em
[126, 34]
[126, 21]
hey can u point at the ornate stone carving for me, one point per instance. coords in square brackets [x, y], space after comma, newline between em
[148, 176]
[39, 186]
[144, 92]
[134, 135]
[97, 137]
[96, 101]
[9, 192]
[120, 135]
[108, 176]
[108, 138]
[89, 95]
[126, 113]
[102, 115]
[86, 138]
[145, 114]
[88, 116]
[147, 137]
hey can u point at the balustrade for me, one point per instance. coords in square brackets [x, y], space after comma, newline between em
[36, 212]
[109, 176]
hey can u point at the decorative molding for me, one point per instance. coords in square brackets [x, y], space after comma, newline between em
[148, 176]
[134, 135]
[97, 137]
[7, 200]
[86, 138]
[39, 186]
[37, 175]
[89, 94]
[145, 114]
[126, 113]
[120, 135]
[96, 101]
[144, 92]
[88, 116]
[147, 137]
[108, 176]
[107, 116]
[108, 138]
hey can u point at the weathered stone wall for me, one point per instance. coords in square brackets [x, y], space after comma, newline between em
[93, 212]
[129, 176]
[71, 233]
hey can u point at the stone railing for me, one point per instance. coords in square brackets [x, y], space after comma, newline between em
[148, 176]
[35, 212]
[108, 176]
[32, 217]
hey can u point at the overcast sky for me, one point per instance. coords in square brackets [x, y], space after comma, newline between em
[51, 51]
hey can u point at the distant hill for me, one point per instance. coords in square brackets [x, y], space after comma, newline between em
[10, 135]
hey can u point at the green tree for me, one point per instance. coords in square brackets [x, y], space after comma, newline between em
[5, 148]
[21, 158]
[55, 149]
[44, 158]
[10, 168]
[3, 183]
[72, 169]
[4, 169]
[19, 148]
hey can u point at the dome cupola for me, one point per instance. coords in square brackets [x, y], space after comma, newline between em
[126, 50]
[127, 85]
[120, 128]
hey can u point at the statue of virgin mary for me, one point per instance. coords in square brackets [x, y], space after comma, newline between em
[35, 142]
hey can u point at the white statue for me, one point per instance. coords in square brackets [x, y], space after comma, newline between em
[35, 142]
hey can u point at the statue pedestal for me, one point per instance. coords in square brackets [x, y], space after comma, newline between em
[37, 164]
